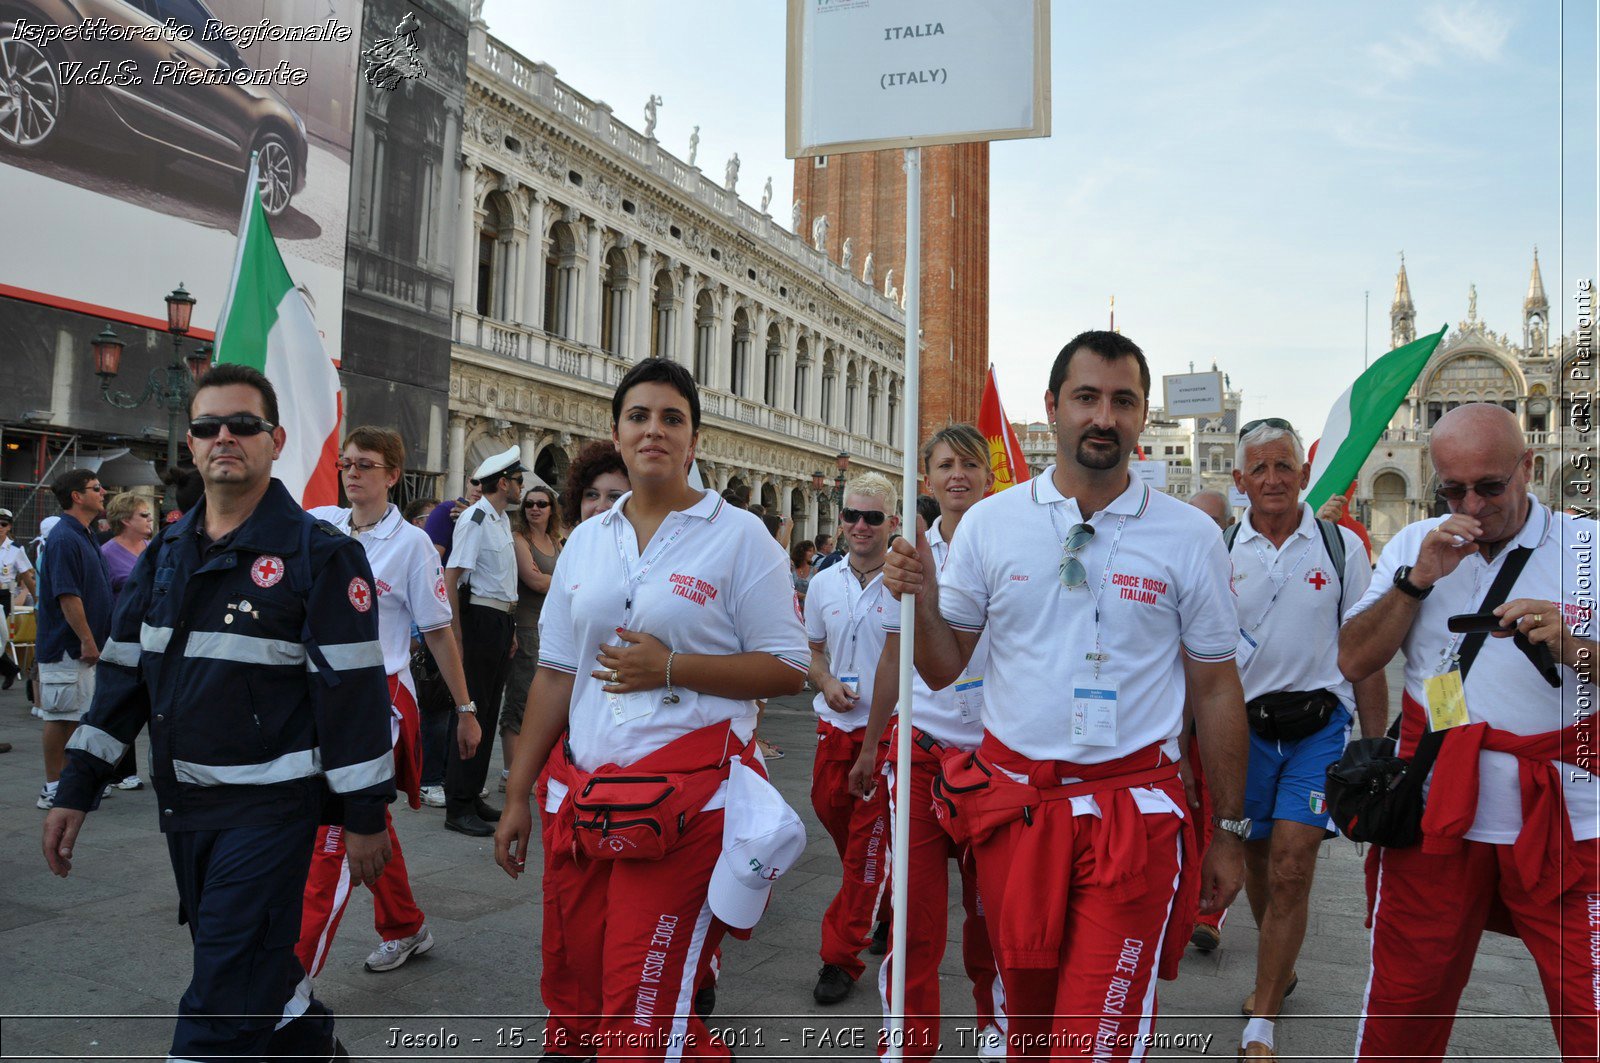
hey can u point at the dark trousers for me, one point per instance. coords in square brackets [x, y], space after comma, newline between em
[486, 647]
[240, 892]
[435, 707]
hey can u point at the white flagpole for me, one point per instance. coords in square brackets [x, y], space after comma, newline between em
[909, 442]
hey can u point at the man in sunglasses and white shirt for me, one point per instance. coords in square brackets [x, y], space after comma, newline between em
[845, 607]
[1104, 601]
[484, 555]
[1511, 824]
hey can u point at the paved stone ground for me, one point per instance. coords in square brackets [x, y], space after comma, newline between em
[104, 952]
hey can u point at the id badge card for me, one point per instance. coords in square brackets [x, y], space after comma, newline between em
[634, 706]
[1447, 702]
[969, 698]
[1247, 648]
[1094, 711]
[852, 683]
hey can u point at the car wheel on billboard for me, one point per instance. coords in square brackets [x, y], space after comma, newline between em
[276, 177]
[32, 99]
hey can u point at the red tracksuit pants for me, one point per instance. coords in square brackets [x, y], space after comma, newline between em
[1099, 1000]
[860, 833]
[394, 909]
[927, 920]
[1203, 825]
[1424, 939]
[633, 939]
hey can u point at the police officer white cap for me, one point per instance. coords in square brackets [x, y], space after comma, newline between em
[504, 462]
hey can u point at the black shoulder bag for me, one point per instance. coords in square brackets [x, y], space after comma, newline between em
[1375, 796]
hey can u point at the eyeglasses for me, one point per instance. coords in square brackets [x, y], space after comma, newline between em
[539, 504]
[241, 425]
[1268, 422]
[515, 479]
[871, 517]
[359, 464]
[1073, 574]
[1483, 489]
[5, 524]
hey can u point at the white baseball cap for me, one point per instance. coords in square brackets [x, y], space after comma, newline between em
[762, 837]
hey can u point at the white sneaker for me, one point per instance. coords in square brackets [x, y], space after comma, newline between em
[433, 796]
[132, 782]
[391, 954]
[991, 1043]
[47, 799]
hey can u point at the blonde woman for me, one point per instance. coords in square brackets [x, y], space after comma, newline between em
[538, 543]
[132, 519]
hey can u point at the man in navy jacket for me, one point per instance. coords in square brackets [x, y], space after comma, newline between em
[247, 640]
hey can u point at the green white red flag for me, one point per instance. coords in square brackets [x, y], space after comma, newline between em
[1360, 415]
[266, 324]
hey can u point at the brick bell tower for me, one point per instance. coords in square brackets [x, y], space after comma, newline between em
[863, 195]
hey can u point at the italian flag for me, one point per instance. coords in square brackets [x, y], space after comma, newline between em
[267, 325]
[1005, 451]
[1361, 414]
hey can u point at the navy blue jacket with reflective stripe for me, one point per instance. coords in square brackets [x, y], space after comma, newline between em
[258, 671]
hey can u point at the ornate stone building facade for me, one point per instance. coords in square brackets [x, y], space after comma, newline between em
[584, 246]
[1534, 377]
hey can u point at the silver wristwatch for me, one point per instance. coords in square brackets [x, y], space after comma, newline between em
[1240, 827]
[462, 710]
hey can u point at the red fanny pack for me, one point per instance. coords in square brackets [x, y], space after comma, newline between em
[636, 813]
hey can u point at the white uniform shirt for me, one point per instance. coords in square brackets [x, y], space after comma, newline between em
[954, 715]
[1165, 587]
[13, 563]
[410, 583]
[1502, 688]
[849, 619]
[711, 581]
[482, 549]
[1296, 635]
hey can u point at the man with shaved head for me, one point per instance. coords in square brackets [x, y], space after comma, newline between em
[1511, 828]
[1214, 504]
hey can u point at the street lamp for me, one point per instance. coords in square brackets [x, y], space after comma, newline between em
[842, 462]
[169, 389]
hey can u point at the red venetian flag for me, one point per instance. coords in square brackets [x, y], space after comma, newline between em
[1005, 451]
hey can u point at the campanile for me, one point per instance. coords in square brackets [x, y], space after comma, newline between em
[863, 195]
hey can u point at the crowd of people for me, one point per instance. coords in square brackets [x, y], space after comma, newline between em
[1123, 709]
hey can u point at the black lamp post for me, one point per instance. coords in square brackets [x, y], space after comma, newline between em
[842, 463]
[169, 389]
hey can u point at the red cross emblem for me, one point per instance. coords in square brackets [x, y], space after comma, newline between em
[267, 570]
[360, 595]
[439, 592]
[1317, 579]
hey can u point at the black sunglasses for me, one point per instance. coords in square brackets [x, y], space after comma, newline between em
[237, 424]
[1269, 422]
[872, 517]
[1485, 489]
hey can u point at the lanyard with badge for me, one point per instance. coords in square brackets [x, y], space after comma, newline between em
[1094, 700]
[969, 687]
[1443, 692]
[850, 678]
[1248, 643]
[637, 704]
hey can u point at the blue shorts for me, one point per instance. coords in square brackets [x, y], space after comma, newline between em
[1287, 780]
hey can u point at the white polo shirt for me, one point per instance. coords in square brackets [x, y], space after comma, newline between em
[849, 619]
[1502, 688]
[409, 581]
[1165, 585]
[1288, 604]
[482, 548]
[954, 715]
[711, 581]
[13, 563]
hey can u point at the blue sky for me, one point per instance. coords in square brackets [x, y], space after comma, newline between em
[1237, 175]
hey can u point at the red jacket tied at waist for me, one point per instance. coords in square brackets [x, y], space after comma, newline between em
[1542, 852]
[698, 763]
[1027, 936]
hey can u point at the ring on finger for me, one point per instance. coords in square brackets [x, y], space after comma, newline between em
[1537, 618]
[616, 676]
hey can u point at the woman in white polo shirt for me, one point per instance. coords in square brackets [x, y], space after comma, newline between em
[667, 617]
[411, 593]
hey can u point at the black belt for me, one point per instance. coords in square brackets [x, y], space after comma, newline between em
[926, 742]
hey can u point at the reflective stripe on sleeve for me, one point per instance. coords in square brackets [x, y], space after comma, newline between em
[97, 743]
[290, 766]
[243, 649]
[154, 639]
[125, 654]
[360, 776]
[345, 656]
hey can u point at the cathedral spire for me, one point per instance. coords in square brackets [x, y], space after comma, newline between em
[1402, 313]
[1536, 300]
[1536, 315]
